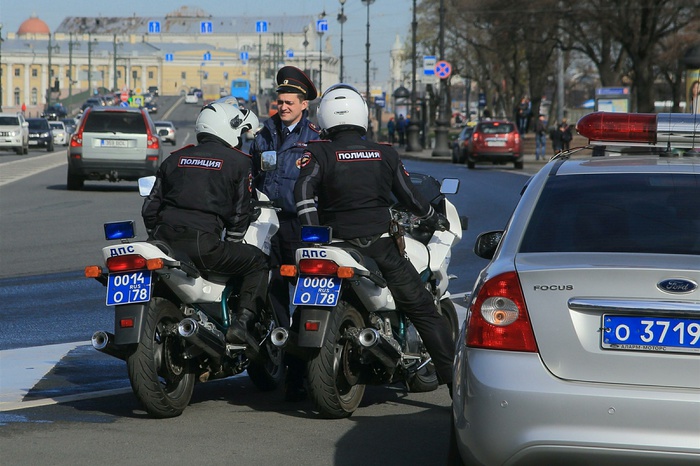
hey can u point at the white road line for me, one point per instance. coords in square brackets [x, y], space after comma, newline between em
[19, 169]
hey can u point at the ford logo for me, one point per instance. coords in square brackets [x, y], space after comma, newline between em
[677, 285]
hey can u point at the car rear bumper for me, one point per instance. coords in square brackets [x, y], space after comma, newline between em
[494, 156]
[509, 409]
[111, 170]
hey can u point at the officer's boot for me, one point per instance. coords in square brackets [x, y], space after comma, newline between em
[241, 327]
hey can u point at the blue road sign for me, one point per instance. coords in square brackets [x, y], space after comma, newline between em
[154, 27]
[482, 100]
[321, 25]
[244, 56]
[290, 53]
[206, 27]
[169, 57]
[261, 26]
[429, 65]
[206, 56]
[443, 69]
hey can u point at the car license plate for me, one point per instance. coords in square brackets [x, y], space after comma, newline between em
[129, 287]
[496, 143]
[651, 334]
[114, 143]
[33, 142]
[317, 291]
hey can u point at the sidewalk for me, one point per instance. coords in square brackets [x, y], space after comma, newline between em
[528, 149]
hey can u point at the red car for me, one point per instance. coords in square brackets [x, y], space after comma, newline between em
[495, 141]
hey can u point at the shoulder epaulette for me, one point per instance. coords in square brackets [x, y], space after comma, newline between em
[181, 148]
[313, 127]
[318, 140]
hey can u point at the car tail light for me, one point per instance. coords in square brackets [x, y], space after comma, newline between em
[498, 318]
[76, 140]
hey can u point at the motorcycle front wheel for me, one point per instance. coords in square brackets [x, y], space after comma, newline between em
[333, 372]
[425, 380]
[160, 377]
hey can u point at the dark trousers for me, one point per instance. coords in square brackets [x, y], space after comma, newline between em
[210, 253]
[415, 300]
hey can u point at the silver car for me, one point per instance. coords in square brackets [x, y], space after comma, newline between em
[167, 131]
[113, 143]
[58, 130]
[582, 338]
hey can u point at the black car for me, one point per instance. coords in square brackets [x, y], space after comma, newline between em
[55, 112]
[40, 133]
[460, 145]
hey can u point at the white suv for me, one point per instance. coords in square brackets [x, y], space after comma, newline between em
[14, 132]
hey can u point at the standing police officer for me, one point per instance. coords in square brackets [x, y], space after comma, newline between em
[286, 133]
[353, 180]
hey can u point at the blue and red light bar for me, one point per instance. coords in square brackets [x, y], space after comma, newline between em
[680, 130]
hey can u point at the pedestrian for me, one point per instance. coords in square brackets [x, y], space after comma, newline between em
[401, 128]
[694, 97]
[353, 195]
[555, 135]
[566, 135]
[522, 113]
[540, 137]
[285, 135]
[202, 193]
[391, 129]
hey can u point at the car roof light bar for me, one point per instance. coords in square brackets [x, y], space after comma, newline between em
[648, 129]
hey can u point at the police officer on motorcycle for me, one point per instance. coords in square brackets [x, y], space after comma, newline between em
[203, 190]
[347, 183]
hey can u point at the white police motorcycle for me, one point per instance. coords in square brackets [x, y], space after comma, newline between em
[350, 331]
[170, 320]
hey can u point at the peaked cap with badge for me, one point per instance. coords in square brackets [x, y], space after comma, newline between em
[292, 80]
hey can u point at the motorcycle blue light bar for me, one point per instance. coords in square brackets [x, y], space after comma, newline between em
[312, 234]
[120, 230]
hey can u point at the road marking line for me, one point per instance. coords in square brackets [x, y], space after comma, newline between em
[20, 169]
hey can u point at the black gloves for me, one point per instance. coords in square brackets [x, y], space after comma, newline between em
[437, 221]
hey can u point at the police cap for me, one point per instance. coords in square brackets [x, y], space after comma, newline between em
[291, 79]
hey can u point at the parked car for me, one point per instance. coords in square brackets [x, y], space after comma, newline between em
[14, 133]
[582, 338]
[191, 98]
[167, 131]
[60, 135]
[497, 142]
[113, 143]
[55, 111]
[460, 146]
[40, 133]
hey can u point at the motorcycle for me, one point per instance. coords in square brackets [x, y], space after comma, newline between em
[171, 318]
[350, 332]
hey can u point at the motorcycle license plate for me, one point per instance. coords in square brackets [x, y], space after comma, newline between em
[128, 288]
[317, 291]
[651, 334]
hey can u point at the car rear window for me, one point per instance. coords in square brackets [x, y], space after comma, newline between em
[496, 128]
[635, 213]
[9, 121]
[115, 122]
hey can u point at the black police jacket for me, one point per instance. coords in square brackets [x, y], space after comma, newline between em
[205, 187]
[353, 180]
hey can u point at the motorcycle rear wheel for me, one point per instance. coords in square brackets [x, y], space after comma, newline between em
[426, 380]
[333, 371]
[160, 377]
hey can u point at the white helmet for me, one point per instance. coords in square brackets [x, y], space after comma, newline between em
[342, 105]
[226, 122]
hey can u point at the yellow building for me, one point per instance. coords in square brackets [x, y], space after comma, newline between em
[185, 49]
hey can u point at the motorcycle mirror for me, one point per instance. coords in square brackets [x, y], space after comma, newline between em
[449, 186]
[146, 185]
[268, 161]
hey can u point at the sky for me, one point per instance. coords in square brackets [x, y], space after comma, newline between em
[387, 19]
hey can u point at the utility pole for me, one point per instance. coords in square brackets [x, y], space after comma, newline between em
[413, 130]
[441, 130]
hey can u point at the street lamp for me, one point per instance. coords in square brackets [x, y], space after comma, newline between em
[1, 91]
[441, 130]
[50, 88]
[341, 19]
[71, 44]
[368, 3]
[306, 44]
[413, 130]
[90, 42]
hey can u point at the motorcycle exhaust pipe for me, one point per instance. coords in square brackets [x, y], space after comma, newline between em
[202, 338]
[279, 337]
[289, 341]
[104, 343]
[372, 341]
